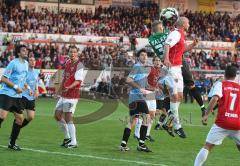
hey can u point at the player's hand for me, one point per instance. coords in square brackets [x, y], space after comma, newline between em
[205, 119]
[59, 93]
[66, 89]
[167, 63]
[30, 92]
[56, 96]
[36, 94]
[143, 91]
[19, 90]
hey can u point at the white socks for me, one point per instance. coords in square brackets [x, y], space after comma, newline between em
[174, 110]
[72, 132]
[149, 127]
[201, 157]
[138, 127]
[63, 125]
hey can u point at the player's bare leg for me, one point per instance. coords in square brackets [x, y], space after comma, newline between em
[29, 118]
[203, 154]
[58, 115]
[3, 115]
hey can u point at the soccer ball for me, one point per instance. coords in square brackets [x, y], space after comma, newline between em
[169, 16]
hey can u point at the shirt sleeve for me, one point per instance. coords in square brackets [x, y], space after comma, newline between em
[173, 38]
[217, 90]
[79, 73]
[8, 71]
[133, 72]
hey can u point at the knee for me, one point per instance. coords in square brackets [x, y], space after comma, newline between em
[180, 97]
[146, 119]
[68, 117]
[30, 118]
[209, 146]
[152, 115]
[19, 120]
[3, 114]
[57, 116]
[174, 98]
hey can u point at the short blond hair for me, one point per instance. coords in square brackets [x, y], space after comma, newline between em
[155, 24]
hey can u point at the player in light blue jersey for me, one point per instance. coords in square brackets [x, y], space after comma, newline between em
[13, 83]
[31, 93]
[137, 79]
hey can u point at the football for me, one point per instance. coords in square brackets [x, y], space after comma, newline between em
[169, 15]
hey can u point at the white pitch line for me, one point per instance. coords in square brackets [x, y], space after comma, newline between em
[88, 156]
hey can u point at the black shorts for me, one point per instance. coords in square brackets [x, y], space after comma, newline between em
[163, 104]
[187, 75]
[28, 104]
[11, 104]
[138, 107]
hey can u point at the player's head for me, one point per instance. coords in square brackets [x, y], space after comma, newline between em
[183, 22]
[230, 72]
[21, 51]
[32, 62]
[73, 52]
[157, 61]
[157, 26]
[169, 16]
[142, 55]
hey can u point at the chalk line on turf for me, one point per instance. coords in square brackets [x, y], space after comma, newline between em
[89, 156]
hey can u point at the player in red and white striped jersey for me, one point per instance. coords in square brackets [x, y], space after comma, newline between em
[227, 123]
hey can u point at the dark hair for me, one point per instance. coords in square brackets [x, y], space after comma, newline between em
[230, 72]
[73, 47]
[18, 49]
[140, 51]
[155, 57]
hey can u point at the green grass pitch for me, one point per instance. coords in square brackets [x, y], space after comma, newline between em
[99, 141]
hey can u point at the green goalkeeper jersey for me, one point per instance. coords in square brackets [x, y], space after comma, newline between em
[157, 41]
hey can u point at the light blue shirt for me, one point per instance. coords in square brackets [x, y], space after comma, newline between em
[16, 72]
[139, 75]
[32, 81]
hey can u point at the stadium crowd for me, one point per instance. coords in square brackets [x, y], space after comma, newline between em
[99, 57]
[115, 21]
[53, 56]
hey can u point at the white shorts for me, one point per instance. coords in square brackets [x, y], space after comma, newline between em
[176, 73]
[152, 105]
[66, 105]
[217, 134]
[169, 83]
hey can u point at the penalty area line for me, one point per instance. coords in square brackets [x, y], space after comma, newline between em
[88, 156]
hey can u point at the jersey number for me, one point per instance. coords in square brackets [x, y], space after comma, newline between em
[234, 97]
